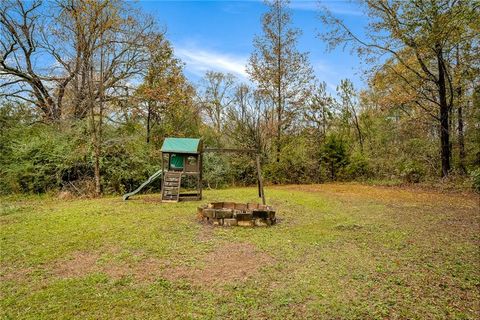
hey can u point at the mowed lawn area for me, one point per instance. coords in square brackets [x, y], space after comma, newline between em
[339, 251]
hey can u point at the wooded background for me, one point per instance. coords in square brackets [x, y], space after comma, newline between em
[89, 89]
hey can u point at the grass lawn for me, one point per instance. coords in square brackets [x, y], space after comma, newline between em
[342, 251]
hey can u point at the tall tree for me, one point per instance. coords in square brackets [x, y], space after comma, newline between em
[247, 119]
[47, 49]
[466, 75]
[165, 94]
[420, 36]
[350, 106]
[317, 111]
[23, 43]
[112, 39]
[280, 71]
[216, 96]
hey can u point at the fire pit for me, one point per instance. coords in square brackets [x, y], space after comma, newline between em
[237, 214]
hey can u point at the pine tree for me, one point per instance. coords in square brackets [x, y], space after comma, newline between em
[282, 73]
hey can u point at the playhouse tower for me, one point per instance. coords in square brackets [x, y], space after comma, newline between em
[181, 158]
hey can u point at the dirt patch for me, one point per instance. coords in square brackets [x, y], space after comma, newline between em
[80, 264]
[15, 274]
[83, 263]
[206, 233]
[226, 264]
[147, 269]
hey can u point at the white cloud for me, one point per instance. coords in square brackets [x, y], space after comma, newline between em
[337, 7]
[332, 87]
[199, 60]
[325, 71]
[304, 5]
[322, 66]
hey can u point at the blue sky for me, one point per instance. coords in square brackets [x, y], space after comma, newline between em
[217, 35]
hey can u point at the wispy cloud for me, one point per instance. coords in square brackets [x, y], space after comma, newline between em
[199, 60]
[304, 5]
[338, 7]
[234, 7]
[329, 73]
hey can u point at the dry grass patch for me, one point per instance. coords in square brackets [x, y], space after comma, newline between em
[206, 233]
[15, 274]
[225, 264]
[145, 270]
[80, 264]
[83, 263]
[392, 195]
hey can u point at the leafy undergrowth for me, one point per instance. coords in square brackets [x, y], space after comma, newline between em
[338, 251]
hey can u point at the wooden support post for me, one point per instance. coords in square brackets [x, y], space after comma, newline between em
[260, 182]
[200, 178]
[163, 178]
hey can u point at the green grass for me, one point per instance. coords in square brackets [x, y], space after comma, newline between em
[340, 251]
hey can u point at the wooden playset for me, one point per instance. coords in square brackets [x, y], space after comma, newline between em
[182, 158]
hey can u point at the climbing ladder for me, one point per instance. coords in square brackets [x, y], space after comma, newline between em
[171, 186]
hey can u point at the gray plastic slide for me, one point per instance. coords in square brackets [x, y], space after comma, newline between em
[153, 177]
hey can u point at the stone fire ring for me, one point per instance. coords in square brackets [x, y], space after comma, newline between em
[236, 214]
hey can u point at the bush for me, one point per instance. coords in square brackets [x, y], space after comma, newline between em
[357, 167]
[38, 159]
[128, 162]
[334, 154]
[475, 176]
[216, 170]
[412, 172]
[243, 169]
[295, 165]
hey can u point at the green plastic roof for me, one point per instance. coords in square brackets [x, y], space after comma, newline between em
[181, 145]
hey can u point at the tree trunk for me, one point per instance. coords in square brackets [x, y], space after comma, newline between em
[450, 126]
[96, 146]
[444, 140]
[332, 170]
[97, 125]
[461, 138]
[98, 185]
[324, 122]
[444, 116]
[359, 131]
[149, 118]
[279, 88]
[279, 130]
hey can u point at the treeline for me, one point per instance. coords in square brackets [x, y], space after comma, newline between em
[89, 90]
